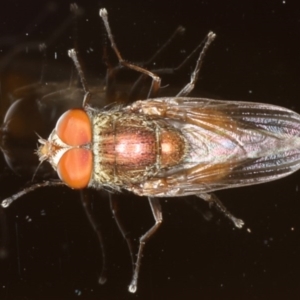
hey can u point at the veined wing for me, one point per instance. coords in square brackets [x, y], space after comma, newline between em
[230, 143]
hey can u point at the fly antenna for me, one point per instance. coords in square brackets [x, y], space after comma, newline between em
[40, 154]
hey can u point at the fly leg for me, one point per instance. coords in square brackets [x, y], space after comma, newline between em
[213, 199]
[6, 202]
[136, 87]
[135, 90]
[168, 187]
[114, 206]
[157, 214]
[86, 203]
[155, 79]
[136, 262]
[190, 86]
[87, 95]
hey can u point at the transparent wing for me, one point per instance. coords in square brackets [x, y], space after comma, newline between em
[230, 144]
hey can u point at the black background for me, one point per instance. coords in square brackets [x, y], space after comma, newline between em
[52, 252]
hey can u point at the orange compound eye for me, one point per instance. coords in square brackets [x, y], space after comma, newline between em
[75, 168]
[74, 127]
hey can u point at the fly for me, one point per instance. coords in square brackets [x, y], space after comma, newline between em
[169, 147]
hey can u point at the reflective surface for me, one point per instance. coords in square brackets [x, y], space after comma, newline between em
[53, 252]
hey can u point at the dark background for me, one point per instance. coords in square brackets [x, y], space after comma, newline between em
[50, 250]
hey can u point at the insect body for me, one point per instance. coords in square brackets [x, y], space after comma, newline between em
[175, 146]
[124, 150]
[167, 147]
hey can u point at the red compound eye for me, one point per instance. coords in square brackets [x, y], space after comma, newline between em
[74, 127]
[75, 167]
